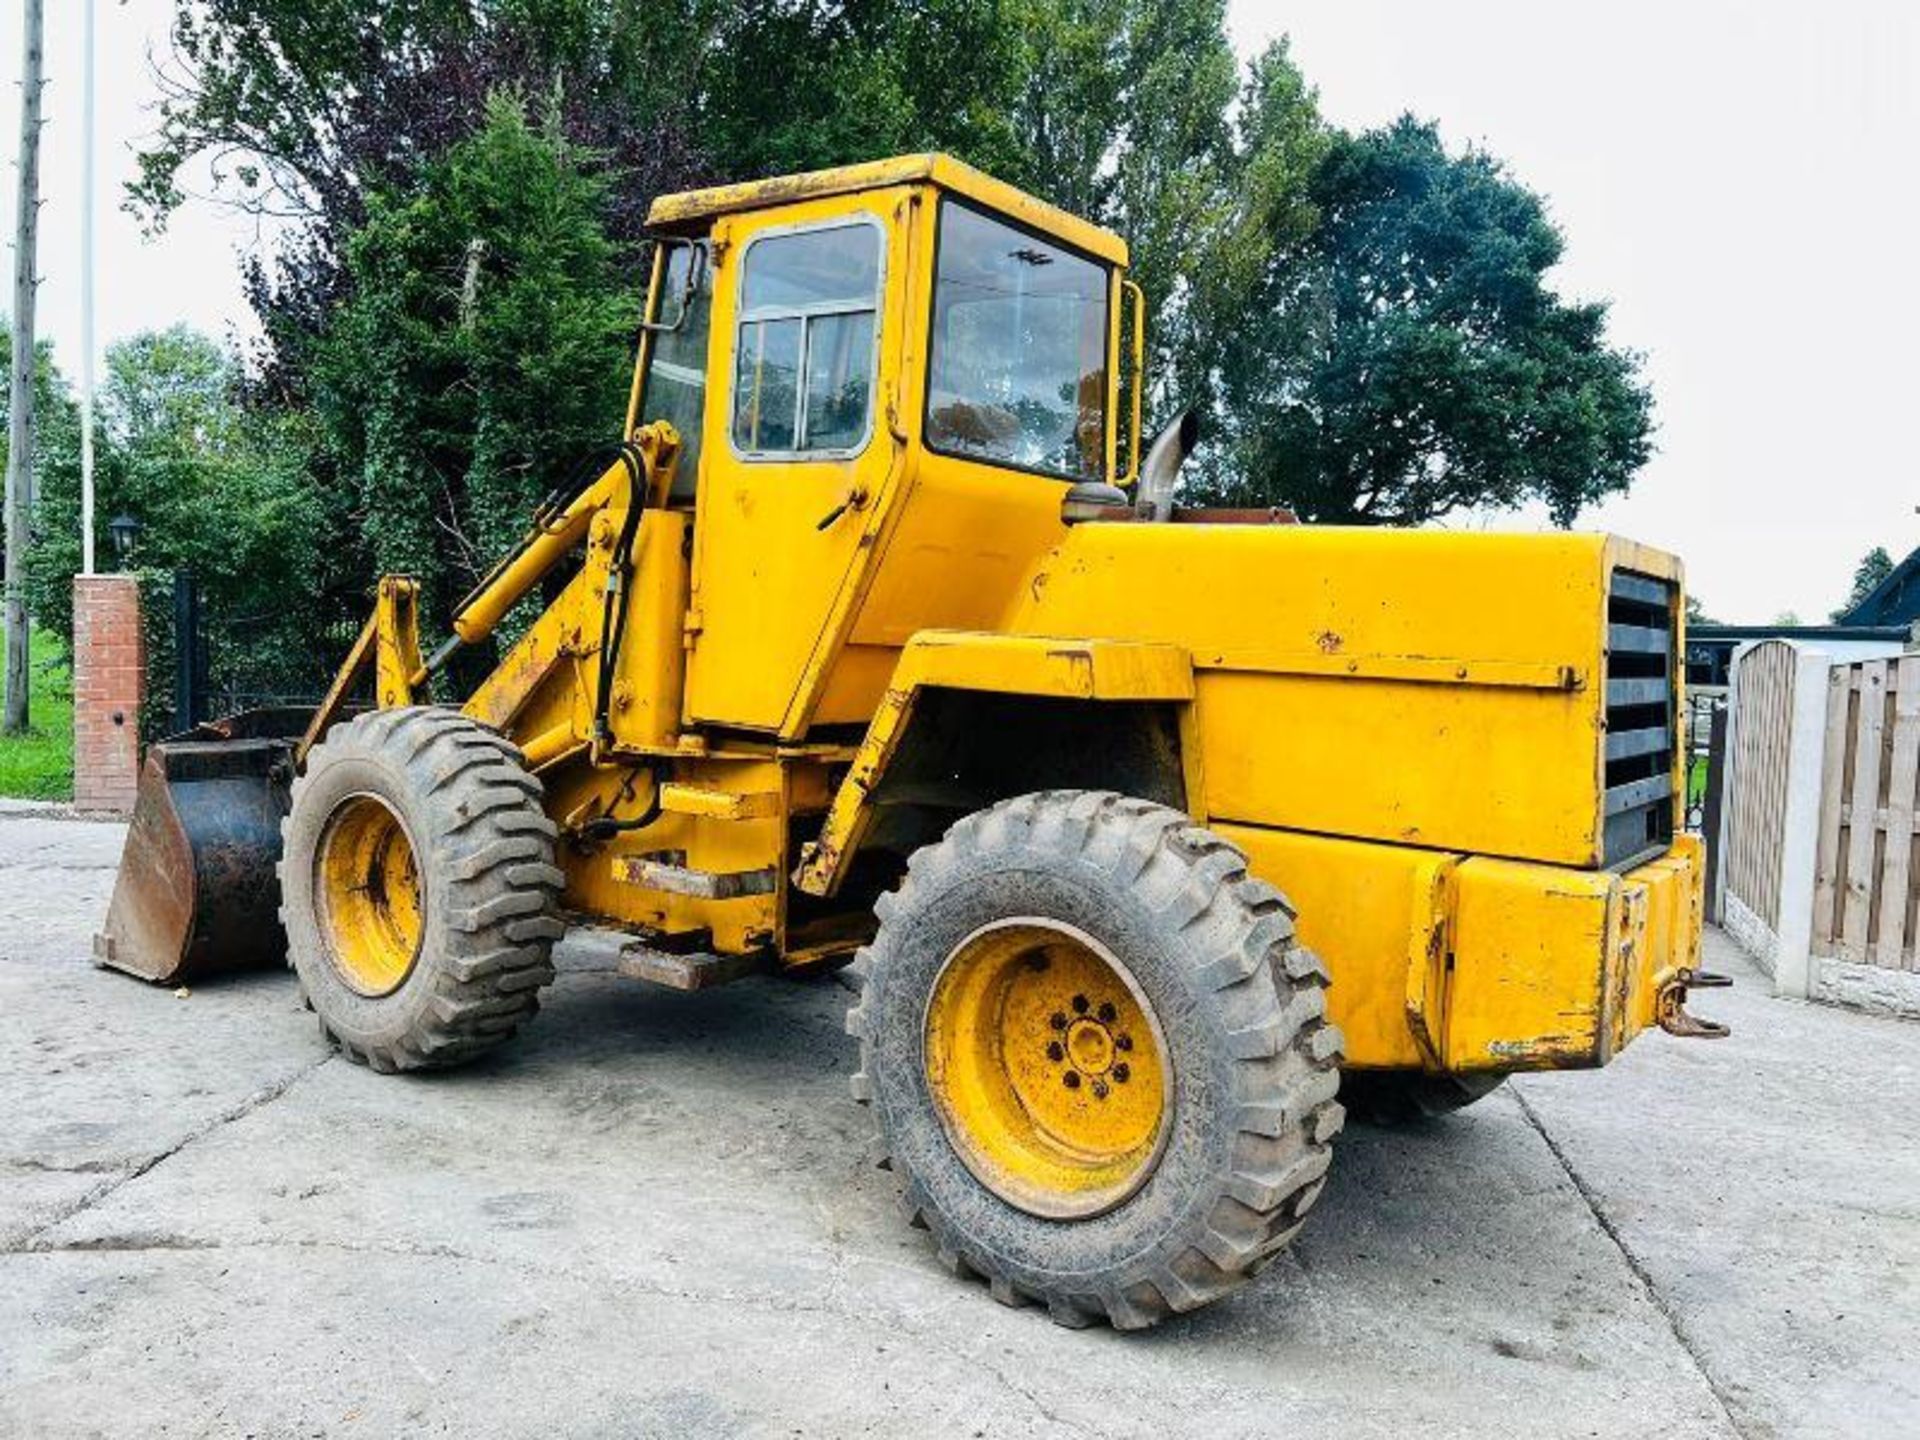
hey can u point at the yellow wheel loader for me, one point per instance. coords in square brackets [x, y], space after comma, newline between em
[878, 639]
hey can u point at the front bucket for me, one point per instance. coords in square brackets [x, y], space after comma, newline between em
[197, 892]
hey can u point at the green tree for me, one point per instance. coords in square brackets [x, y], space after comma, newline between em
[799, 85]
[54, 528]
[481, 348]
[56, 424]
[1134, 114]
[1406, 357]
[1876, 565]
[217, 489]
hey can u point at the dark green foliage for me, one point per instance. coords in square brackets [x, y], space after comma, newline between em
[484, 343]
[218, 490]
[1875, 566]
[56, 459]
[1405, 357]
[1123, 115]
[806, 84]
[160, 635]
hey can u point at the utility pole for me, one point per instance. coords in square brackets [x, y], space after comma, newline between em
[86, 298]
[20, 433]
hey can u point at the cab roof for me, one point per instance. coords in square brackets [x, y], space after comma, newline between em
[690, 207]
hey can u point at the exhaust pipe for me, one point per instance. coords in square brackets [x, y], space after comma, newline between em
[1160, 471]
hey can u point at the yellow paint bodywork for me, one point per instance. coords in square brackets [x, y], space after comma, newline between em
[388, 648]
[1404, 730]
[1378, 915]
[1324, 657]
[691, 208]
[1091, 671]
[1469, 963]
[776, 582]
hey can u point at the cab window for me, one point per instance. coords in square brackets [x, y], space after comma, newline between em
[804, 357]
[675, 387]
[1018, 373]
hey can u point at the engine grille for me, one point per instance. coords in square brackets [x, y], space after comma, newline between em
[1637, 805]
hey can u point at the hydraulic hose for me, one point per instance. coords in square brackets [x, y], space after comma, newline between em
[606, 827]
[613, 615]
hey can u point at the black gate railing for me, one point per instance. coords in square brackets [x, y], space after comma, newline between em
[211, 663]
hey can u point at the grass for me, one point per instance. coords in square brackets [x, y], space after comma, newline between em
[39, 764]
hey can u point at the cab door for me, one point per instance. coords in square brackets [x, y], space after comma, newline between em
[797, 456]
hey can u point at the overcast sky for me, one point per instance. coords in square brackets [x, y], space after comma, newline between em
[1740, 179]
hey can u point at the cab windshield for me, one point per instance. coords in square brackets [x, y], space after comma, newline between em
[1018, 372]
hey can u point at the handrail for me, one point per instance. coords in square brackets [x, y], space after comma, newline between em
[1139, 299]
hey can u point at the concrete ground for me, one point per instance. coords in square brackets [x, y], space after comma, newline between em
[649, 1216]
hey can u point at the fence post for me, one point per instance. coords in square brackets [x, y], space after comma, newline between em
[1712, 807]
[188, 693]
[1800, 828]
[109, 682]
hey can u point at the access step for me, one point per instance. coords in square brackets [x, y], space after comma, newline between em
[681, 799]
[696, 970]
[667, 870]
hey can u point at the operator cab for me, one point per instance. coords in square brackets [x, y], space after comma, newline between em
[904, 360]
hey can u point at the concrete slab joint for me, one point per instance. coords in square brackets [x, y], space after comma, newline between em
[109, 687]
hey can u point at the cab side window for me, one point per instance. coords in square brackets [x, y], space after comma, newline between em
[675, 387]
[804, 356]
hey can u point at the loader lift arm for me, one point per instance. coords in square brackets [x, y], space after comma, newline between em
[389, 643]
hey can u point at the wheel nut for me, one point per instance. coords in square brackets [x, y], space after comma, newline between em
[1058, 1021]
[1071, 1079]
[1055, 1050]
[1123, 1041]
[1079, 1004]
[1107, 1011]
[1099, 1089]
[1121, 1072]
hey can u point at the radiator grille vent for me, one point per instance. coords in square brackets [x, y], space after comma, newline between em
[1637, 807]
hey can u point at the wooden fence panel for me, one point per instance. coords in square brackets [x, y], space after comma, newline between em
[1863, 799]
[1762, 734]
[1868, 853]
[1903, 767]
[1842, 686]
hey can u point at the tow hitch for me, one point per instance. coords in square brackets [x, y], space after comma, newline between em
[1671, 1008]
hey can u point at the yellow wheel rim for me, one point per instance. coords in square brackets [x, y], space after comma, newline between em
[369, 889]
[1048, 1068]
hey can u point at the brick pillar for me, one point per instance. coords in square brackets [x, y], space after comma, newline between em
[109, 682]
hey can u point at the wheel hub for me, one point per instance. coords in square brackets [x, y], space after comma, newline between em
[1048, 1068]
[1090, 1047]
[368, 886]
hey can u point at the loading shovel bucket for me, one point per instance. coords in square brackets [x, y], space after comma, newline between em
[197, 893]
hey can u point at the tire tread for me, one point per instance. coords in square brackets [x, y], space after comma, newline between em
[495, 863]
[1269, 990]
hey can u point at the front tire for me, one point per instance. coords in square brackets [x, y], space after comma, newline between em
[1085, 934]
[418, 888]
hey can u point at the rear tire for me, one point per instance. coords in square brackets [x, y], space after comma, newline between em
[1235, 1005]
[418, 888]
[1406, 1097]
